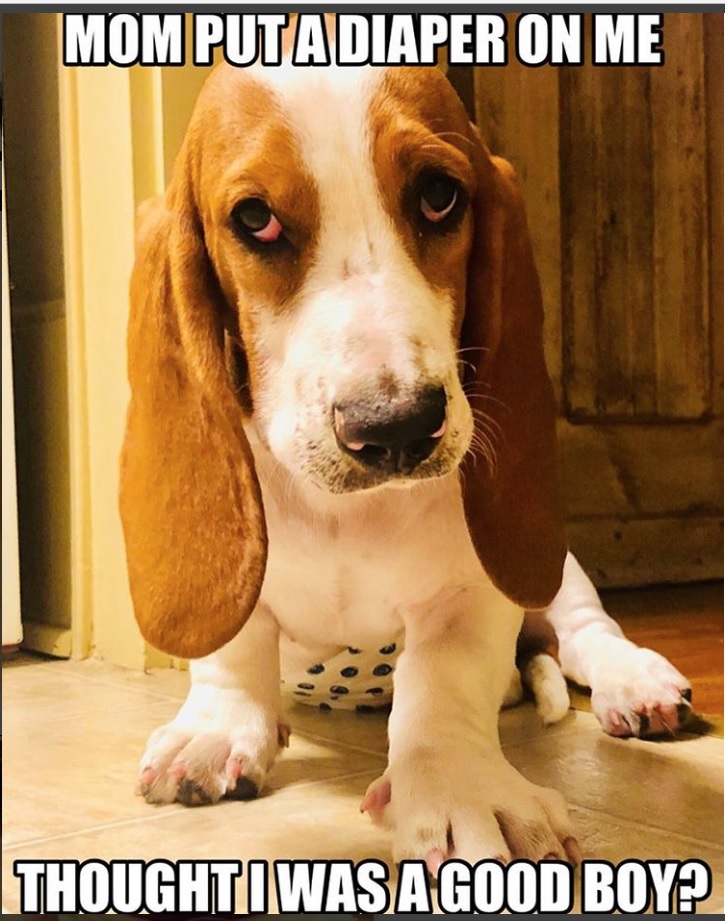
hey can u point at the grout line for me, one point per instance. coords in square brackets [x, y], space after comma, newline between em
[328, 780]
[314, 737]
[90, 829]
[112, 684]
[86, 714]
[633, 823]
[168, 814]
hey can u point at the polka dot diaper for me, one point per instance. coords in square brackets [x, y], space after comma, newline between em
[355, 679]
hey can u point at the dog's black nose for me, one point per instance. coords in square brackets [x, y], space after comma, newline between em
[390, 436]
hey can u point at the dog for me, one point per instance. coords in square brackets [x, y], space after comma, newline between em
[340, 454]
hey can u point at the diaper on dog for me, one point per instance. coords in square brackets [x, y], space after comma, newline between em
[355, 679]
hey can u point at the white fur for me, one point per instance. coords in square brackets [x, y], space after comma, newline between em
[542, 674]
[357, 568]
[364, 306]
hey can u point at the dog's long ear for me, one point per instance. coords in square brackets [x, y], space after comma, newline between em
[511, 498]
[190, 500]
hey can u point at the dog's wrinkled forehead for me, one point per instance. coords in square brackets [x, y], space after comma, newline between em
[326, 121]
[332, 151]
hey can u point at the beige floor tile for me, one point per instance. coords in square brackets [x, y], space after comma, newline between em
[317, 820]
[74, 733]
[369, 730]
[522, 723]
[165, 682]
[46, 693]
[608, 838]
[64, 775]
[366, 731]
[675, 785]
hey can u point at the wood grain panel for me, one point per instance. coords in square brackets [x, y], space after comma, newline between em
[634, 236]
[618, 552]
[682, 324]
[621, 169]
[715, 103]
[641, 470]
[505, 99]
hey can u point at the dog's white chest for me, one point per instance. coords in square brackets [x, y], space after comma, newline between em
[338, 587]
[343, 570]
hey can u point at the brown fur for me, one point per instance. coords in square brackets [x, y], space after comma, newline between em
[513, 510]
[512, 507]
[190, 501]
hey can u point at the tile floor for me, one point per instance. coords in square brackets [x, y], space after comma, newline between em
[74, 733]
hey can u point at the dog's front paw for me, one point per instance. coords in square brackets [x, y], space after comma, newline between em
[641, 694]
[472, 807]
[197, 766]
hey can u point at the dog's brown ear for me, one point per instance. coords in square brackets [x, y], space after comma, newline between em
[511, 495]
[190, 501]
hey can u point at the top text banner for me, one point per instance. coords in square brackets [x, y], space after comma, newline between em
[535, 39]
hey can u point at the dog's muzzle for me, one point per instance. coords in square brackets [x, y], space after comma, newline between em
[392, 436]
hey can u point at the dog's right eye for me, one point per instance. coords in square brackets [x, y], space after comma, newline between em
[438, 197]
[253, 217]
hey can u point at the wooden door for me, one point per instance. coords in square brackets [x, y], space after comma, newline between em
[621, 168]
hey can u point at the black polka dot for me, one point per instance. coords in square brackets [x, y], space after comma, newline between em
[353, 651]
[303, 694]
[380, 670]
[349, 671]
[316, 669]
[387, 650]
[365, 708]
[324, 706]
[338, 689]
[374, 691]
[306, 686]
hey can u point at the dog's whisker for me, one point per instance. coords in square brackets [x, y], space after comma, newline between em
[485, 396]
[466, 364]
[482, 444]
[452, 134]
[472, 348]
[484, 421]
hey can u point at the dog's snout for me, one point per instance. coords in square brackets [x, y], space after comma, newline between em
[392, 436]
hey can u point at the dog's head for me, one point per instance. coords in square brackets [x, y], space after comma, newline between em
[340, 264]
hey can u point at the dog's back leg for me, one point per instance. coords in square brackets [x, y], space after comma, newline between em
[635, 691]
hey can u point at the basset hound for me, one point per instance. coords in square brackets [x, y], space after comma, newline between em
[340, 455]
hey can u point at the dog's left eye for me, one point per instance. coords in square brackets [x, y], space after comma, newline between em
[254, 218]
[438, 197]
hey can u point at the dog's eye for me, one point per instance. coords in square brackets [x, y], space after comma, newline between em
[254, 218]
[438, 197]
